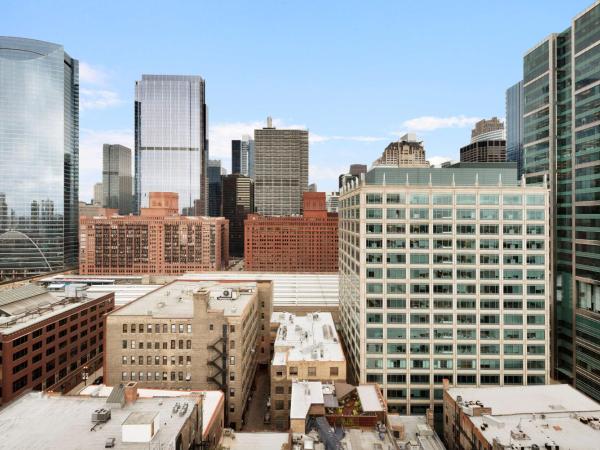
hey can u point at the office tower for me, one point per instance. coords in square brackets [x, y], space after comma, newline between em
[202, 335]
[39, 150]
[488, 143]
[307, 243]
[35, 326]
[116, 178]
[171, 147]
[280, 170]
[98, 194]
[355, 171]
[514, 125]
[332, 200]
[444, 274]
[484, 151]
[238, 202]
[406, 152]
[488, 129]
[214, 187]
[562, 138]
[159, 241]
[306, 347]
[236, 156]
[247, 156]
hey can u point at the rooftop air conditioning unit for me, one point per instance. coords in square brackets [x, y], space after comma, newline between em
[101, 415]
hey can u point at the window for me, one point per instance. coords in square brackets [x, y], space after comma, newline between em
[395, 198]
[488, 199]
[512, 214]
[488, 214]
[442, 214]
[373, 198]
[419, 214]
[312, 371]
[465, 199]
[395, 213]
[465, 214]
[374, 213]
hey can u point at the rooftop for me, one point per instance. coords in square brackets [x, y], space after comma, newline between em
[66, 421]
[527, 415]
[305, 394]
[176, 299]
[414, 429]
[306, 338]
[256, 440]
[24, 306]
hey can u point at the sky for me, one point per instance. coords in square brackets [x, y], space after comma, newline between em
[356, 74]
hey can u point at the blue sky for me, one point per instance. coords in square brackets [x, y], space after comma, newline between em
[355, 73]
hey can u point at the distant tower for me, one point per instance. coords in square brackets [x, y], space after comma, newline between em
[116, 178]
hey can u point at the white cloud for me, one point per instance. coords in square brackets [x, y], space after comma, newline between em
[429, 123]
[97, 99]
[317, 138]
[438, 160]
[89, 74]
[90, 156]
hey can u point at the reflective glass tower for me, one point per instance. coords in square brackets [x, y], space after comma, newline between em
[171, 147]
[39, 158]
[514, 125]
[116, 178]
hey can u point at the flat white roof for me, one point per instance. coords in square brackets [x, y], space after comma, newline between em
[527, 399]
[176, 299]
[256, 440]
[124, 293]
[369, 398]
[48, 422]
[312, 337]
[305, 394]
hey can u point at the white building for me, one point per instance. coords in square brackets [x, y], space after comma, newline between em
[444, 274]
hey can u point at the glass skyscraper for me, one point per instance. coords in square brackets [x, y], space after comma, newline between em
[561, 90]
[215, 184]
[116, 178]
[171, 147]
[514, 125]
[39, 153]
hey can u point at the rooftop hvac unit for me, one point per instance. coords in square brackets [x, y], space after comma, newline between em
[183, 409]
[101, 415]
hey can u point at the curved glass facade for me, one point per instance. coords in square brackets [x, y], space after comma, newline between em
[39, 158]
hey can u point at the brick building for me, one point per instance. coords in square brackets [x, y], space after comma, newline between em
[158, 241]
[307, 243]
[192, 335]
[49, 339]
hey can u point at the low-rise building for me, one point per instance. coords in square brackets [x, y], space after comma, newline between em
[524, 417]
[49, 340]
[119, 418]
[307, 243]
[192, 334]
[306, 348]
[159, 241]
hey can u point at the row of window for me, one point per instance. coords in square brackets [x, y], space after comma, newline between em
[156, 328]
[157, 360]
[447, 244]
[461, 364]
[423, 198]
[449, 258]
[458, 349]
[449, 274]
[447, 289]
[420, 228]
[155, 376]
[180, 344]
[448, 319]
[425, 378]
[448, 303]
[461, 334]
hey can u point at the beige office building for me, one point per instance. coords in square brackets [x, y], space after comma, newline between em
[306, 348]
[192, 334]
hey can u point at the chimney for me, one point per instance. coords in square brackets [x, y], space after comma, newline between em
[131, 392]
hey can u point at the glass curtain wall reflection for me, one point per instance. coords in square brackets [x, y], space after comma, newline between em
[171, 149]
[39, 152]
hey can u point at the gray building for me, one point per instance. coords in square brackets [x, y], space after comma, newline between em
[238, 202]
[39, 150]
[215, 183]
[116, 178]
[242, 156]
[561, 142]
[171, 147]
[514, 125]
[98, 194]
[280, 170]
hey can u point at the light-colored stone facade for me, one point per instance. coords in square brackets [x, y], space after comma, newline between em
[193, 335]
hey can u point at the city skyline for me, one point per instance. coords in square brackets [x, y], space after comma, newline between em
[440, 109]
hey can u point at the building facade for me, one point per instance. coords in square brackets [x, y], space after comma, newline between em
[488, 129]
[116, 178]
[39, 149]
[238, 202]
[562, 140]
[193, 335]
[159, 241]
[444, 274]
[484, 151]
[171, 146]
[307, 243]
[406, 152]
[98, 194]
[215, 187]
[355, 171]
[49, 339]
[280, 170]
[514, 125]
[306, 348]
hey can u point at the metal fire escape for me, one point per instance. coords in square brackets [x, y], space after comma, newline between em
[218, 360]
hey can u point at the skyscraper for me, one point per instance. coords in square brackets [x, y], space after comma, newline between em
[562, 138]
[514, 125]
[488, 143]
[236, 156]
[171, 147]
[444, 274]
[280, 170]
[98, 194]
[214, 187]
[488, 130]
[116, 178]
[406, 152]
[242, 156]
[238, 202]
[39, 150]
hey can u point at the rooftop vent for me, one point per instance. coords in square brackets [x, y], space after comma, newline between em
[101, 415]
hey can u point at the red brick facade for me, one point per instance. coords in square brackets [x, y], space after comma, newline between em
[306, 243]
[51, 354]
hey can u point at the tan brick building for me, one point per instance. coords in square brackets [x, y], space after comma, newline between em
[306, 348]
[191, 334]
[159, 241]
